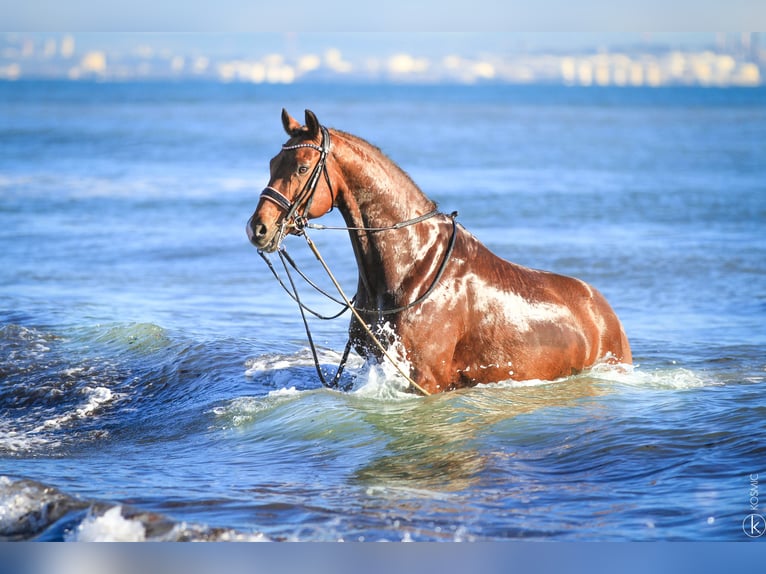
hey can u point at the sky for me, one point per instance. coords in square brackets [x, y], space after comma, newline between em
[390, 16]
[360, 28]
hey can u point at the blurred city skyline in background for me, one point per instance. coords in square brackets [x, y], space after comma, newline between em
[578, 59]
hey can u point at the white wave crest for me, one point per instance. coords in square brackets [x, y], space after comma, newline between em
[243, 411]
[110, 526]
[15, 438]
[96, 398]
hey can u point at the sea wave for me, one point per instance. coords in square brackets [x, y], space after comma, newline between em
[46, 390]
[30, 510]
[66, 389]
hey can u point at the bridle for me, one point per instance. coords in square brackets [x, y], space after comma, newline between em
[303, 200]
[296, 217]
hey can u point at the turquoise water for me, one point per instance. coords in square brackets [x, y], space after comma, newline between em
[156, 383]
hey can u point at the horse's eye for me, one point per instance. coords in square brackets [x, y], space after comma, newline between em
[303, 169]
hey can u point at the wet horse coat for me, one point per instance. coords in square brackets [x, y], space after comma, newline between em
[486, 320]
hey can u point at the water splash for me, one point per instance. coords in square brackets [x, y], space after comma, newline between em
[110, 526]
[382, 381]
[370, 378]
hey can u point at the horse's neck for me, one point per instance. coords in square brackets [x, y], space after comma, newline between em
[381, 191]
[379, 194]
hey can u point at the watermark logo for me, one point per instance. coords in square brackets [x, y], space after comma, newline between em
[754, 525]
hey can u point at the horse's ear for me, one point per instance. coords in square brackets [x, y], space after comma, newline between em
[312, 124]
[291, 125]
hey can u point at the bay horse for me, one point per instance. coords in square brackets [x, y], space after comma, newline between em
[462, 314]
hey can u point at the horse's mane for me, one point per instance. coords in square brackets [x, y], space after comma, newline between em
[390, 164]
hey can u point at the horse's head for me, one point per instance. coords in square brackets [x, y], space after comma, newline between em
[299, 186]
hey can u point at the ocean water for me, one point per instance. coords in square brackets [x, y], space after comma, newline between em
[156, 383]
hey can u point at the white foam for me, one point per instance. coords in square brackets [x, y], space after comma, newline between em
[677, 378]
[382, 381]
[96, 398]
[511, 384]
[276, 362]
[15, 505]
[291, 392]
[258, 366]
[27, 507]
[31, 433]
[36, 344]
[13, 440]
[108, 527]
[619, 373]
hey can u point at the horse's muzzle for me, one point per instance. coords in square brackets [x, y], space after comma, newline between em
[261, 236]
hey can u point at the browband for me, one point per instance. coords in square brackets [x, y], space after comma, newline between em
[308, 190]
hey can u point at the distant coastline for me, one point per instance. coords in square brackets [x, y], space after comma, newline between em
[737, 61]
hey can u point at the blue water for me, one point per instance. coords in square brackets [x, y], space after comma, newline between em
[156, 383]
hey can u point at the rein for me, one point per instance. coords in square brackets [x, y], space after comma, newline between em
[364, 325]
[347, 303]
[301, 224]
[410, 305]
[399, 225]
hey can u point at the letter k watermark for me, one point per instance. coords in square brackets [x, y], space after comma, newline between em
[754, 525]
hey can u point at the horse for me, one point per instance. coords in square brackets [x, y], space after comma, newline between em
[460, 314]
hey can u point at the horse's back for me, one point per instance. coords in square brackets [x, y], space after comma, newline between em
[545, 324]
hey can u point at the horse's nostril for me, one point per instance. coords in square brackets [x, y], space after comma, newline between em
[256, 231]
